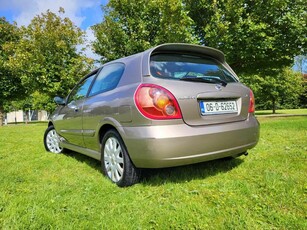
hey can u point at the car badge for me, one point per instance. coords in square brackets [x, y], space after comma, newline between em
[218, 87]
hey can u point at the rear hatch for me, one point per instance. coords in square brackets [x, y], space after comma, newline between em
[207, 90]
[203, 103]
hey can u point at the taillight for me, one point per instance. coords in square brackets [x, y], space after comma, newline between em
[251, 108]
[156, 102]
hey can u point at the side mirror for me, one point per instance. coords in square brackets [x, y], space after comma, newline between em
[59, 101]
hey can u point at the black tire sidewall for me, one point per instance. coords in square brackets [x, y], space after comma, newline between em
[130, 172]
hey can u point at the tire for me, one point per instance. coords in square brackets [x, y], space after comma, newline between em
[51, 140]
[115, 161]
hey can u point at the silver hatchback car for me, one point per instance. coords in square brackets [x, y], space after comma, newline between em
[171, 105]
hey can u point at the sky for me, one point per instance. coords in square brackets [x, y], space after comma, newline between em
[83, 13]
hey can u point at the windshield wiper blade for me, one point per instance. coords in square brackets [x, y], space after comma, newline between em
[218, 80]
[206, 80]
[196, 79]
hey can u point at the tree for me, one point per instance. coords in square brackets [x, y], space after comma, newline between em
[10, 84]
[256, 36]
[280, 91]
[46, 58]
[260, 39]
[131, 26]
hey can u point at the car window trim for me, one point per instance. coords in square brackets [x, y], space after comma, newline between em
[97, 74]
[93, 73]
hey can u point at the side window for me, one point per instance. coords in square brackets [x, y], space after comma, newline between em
[80, 91]
[107, 78]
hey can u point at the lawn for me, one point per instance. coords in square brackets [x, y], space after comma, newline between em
[265, 190]
[283, 112]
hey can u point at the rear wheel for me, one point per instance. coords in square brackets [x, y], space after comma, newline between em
[115, 161]
[52, 141]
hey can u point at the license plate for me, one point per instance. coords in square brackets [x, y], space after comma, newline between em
[218, 107]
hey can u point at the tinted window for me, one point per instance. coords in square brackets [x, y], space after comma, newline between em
[107, 78]
[177, 66]
[80, 91]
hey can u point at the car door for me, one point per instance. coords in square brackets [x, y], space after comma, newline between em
[70, 123]
[102, 102]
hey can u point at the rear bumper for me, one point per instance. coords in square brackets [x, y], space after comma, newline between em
[174, 145]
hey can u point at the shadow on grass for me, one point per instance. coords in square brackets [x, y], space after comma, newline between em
[264, 113]
[270, 113]
[83, 159]
[180, 174]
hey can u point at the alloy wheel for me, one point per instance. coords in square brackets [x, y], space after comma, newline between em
[53, 142]
[113, 159]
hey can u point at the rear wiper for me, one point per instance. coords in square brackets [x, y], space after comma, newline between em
[206, 80]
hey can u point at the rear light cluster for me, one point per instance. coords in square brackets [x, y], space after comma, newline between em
[156, 102]
[251, 108]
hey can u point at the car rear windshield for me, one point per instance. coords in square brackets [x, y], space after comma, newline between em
[187, 66]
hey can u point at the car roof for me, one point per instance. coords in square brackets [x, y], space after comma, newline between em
[139, 64]
[143, 58]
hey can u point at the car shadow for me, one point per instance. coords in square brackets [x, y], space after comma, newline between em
[182, 174]
[95, 164]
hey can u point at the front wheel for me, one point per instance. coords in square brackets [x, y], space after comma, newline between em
[51, 140]
[115, 161]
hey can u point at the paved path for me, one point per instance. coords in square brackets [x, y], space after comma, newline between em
[281, 115]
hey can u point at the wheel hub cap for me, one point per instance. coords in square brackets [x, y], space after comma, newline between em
[113, 159]
[52, 141]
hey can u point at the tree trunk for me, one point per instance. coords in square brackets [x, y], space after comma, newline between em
[274, 105]
[1, 116]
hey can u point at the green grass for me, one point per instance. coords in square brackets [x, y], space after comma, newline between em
[266, 190]
[283, 112]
